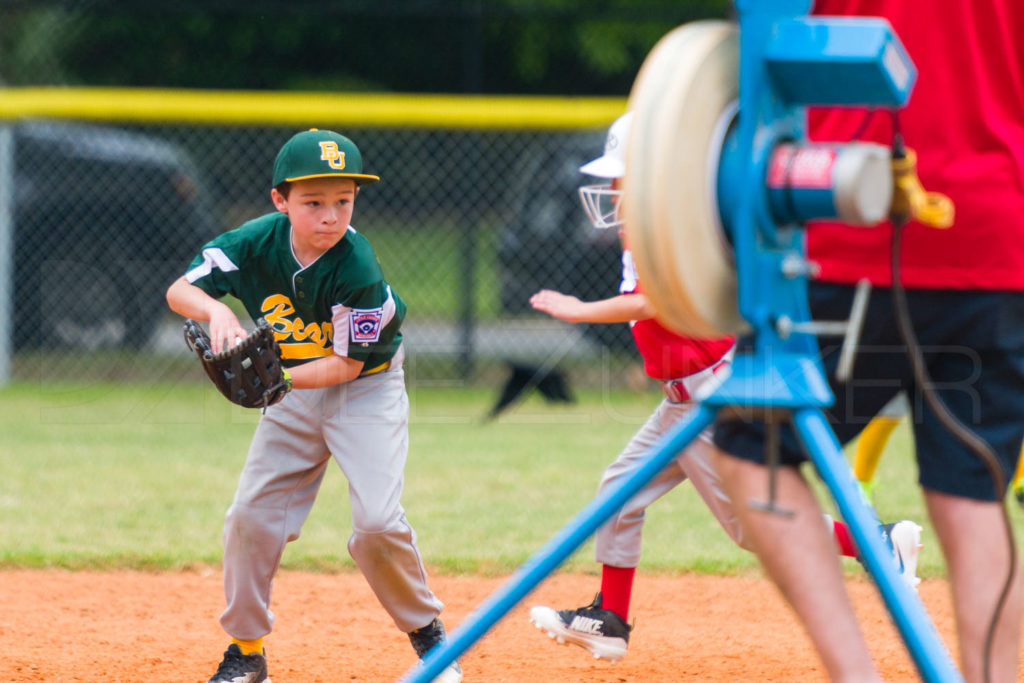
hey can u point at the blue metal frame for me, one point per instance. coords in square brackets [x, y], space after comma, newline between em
[563, 544]
[779, 47]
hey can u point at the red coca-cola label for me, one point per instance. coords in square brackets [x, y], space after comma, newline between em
[801, 167]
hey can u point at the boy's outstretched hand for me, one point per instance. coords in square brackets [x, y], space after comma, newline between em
[621, 308]
[562, 306]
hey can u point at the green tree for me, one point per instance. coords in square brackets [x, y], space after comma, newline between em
[493, 46]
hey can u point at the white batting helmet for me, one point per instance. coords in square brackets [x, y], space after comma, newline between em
[601, 202]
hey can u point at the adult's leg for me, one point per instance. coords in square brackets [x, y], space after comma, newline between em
[798, 553]
[979, 374]
[968, 530]
[980, 385]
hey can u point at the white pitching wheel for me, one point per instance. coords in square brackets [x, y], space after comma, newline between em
[686, 86]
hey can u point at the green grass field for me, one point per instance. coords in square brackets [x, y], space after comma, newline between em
[110, 475]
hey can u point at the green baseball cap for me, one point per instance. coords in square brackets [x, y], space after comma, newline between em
[320, 154]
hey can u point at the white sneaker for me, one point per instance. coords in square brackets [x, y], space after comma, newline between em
[451, 674]
[905, 539]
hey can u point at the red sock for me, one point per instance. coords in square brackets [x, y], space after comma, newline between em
[617, 589]
[844, 539]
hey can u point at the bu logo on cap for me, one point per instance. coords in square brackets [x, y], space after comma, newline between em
[330, 153]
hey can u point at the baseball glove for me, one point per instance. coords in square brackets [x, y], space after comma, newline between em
[250, 374]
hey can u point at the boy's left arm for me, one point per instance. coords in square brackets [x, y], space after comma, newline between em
[325, 372]
[622, 308]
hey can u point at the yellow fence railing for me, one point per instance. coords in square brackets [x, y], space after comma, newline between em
[148, 105]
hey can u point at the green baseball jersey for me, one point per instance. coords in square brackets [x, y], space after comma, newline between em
[340, 303]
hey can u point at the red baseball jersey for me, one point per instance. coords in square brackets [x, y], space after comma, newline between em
[965, 120]
[666, 354]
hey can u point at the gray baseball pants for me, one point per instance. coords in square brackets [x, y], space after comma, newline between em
[617, 542]
[363, 425]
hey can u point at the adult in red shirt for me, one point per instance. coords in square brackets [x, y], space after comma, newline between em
[965, 119]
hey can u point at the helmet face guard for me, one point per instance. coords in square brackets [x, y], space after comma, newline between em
[601, 202]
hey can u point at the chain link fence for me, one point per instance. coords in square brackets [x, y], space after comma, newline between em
[98, 216]
[467, 225]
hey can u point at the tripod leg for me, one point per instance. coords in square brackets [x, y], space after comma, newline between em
[926, 647]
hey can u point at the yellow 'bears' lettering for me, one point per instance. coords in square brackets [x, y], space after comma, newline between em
[299, 331]
[278, 310]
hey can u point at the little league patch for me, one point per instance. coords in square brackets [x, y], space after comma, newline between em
[366, 324]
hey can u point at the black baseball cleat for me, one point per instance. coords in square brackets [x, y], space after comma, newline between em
[239, 668]
[600, 632]
[424, 639]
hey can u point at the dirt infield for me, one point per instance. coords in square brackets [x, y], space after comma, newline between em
[133, 626]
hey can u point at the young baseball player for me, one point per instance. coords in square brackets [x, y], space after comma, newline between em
[689, 369]
[318, 283]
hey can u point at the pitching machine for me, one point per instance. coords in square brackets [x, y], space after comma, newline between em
[721, 181]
